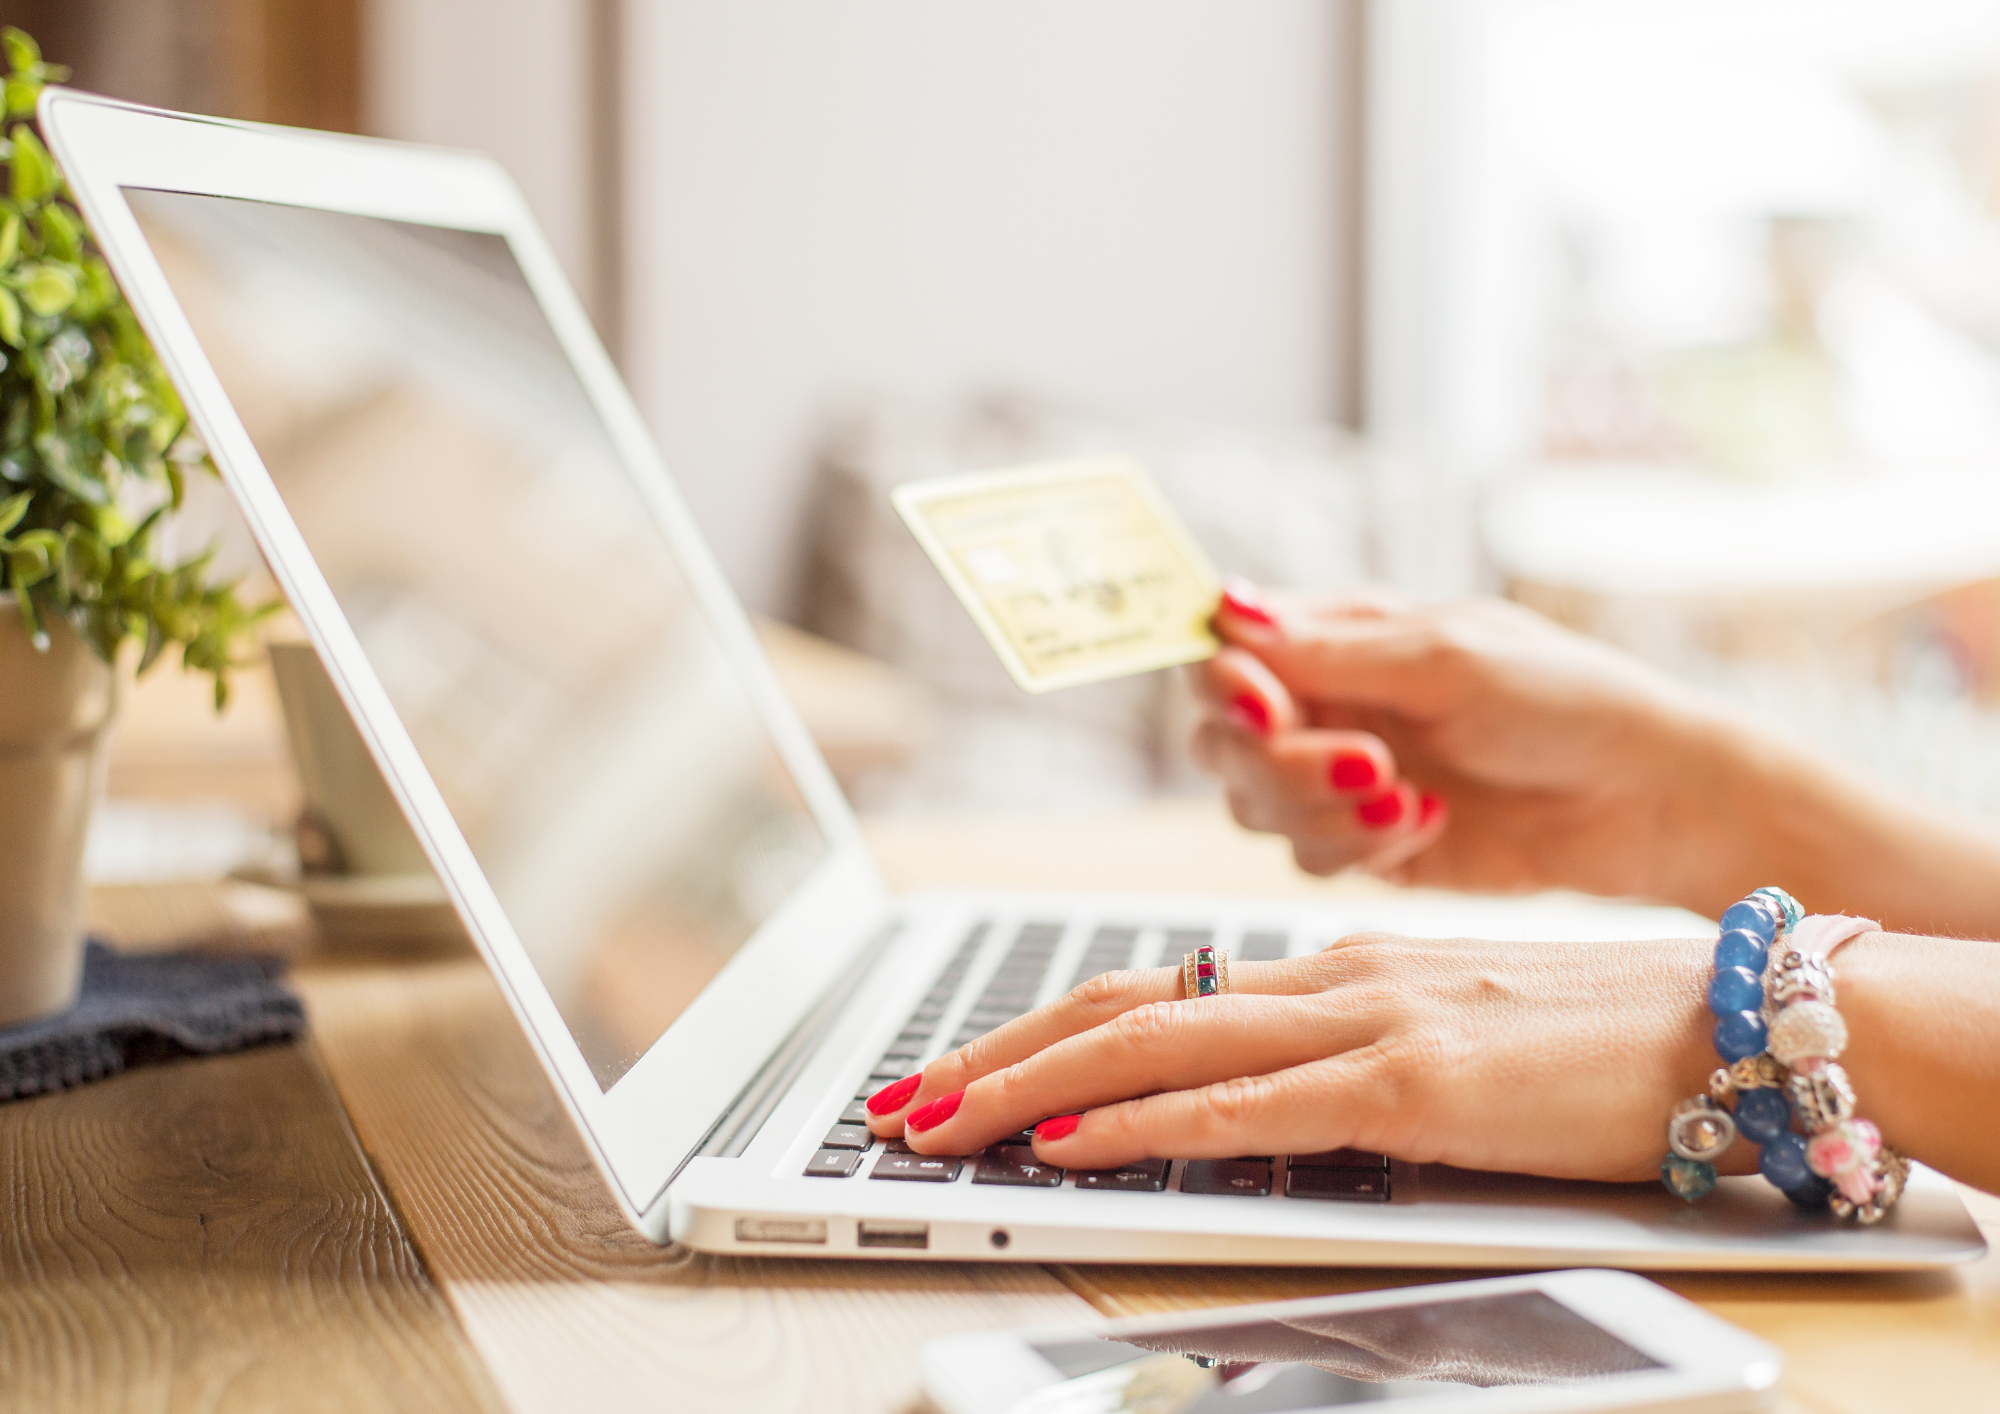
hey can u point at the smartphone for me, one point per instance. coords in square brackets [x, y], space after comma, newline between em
[1557, 1341]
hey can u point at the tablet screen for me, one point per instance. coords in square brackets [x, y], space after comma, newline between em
[511, 589]
[1331, 1360]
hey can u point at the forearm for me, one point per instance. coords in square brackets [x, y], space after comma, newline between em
[1923, 1022]
[1780, 813]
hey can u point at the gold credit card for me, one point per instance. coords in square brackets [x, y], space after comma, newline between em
[1076, 571]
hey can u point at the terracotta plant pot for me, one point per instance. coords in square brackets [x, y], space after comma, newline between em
[55, 718]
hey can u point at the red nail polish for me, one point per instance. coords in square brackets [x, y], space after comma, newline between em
[1429, 808]
[1061, 1127]
[1241, 598]
[1248, 711]
[1381, 812]
[1353, 771]
[935, 1113]
[895, 1095]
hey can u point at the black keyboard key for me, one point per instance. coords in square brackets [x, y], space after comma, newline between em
[847, 1136]
[1147, 1177]
[1341, 1159]
[918, 1168]
[1344, 1185]
[903, 1052]
[1262, 947]
[1016, 1167]
[833, 1163]
[1025, 1136]
[895, 1146]
[1181, 941]
[855, 1113]
[1242, 1178]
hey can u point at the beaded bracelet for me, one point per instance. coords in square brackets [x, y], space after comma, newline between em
[1700, 1130]
[1864, 1177]
[1773, 985]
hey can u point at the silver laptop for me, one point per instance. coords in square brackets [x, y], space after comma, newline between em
[445, 475]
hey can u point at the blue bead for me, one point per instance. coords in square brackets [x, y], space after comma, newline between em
[1811, 1196]
[1762, 1115]
[1689, 1179]
[1753, 916]
[1739, 1034]
[1788, 910]
[1734, 989]
[1783, 1161]
[1740, 947]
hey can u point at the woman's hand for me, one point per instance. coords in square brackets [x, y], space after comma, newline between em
[1476, 745]
[1471, 745]
[1561, 1059]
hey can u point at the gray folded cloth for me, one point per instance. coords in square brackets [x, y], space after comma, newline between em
[141, 1008]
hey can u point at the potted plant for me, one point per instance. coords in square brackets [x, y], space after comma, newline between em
[95, 453]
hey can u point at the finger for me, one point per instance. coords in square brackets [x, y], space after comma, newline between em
[1086, 1006]
[1174, 1045]
[1340, 1102]
[1236, 687]
[1299, 768]
[1365, 649]
[1392, 861]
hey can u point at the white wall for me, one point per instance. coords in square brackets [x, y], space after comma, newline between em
[1123, 203]
[507, 77]
[1127, 204]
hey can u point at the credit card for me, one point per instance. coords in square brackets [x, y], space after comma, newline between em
[1075, 571]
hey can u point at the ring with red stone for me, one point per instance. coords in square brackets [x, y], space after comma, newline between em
[1205, 973]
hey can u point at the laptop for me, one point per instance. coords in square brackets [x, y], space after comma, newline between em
[460, 501]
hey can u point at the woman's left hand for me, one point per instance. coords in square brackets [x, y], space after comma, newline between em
[1560, 1059]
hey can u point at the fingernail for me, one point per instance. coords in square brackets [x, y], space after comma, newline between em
[935, 1113]
[1381, 812]
[1241, 598]
[1248, 711]
[1353, 771]
[1061, 1127]
[1429, 808]
[894, 1096]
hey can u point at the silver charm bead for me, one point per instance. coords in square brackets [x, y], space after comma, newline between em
[1807, 1031]
[1758, 1072]
[1823, 1098]
[1811, 979]
[1699, 1130]
[1720, 1086]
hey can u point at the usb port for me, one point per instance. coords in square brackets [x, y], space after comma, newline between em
[781, 1229]
[881, 1234]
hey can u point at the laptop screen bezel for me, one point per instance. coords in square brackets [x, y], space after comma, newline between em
[644, 1127]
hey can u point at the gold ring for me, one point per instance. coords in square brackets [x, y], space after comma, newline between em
[1205, 973]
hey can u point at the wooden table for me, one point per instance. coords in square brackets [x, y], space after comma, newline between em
[396, 1214]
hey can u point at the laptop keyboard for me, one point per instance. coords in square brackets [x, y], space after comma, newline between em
[849, 1150]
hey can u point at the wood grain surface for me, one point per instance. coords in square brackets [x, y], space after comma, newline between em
[205, 1235]
[568, 1306]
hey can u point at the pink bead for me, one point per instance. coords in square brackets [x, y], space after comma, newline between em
[1866, 1135]
[1829, 1155]
[1857, 1185]
[1811, 1065]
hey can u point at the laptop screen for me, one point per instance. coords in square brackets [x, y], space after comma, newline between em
[510, 588]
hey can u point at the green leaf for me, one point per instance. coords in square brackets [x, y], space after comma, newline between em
[61, 235]
[10, 238]
[11, 511]
[23, 54]
[10, 319]
[48, 289]
[21, 95]
[34, 170]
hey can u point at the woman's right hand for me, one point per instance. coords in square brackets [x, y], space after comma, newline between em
[1471, 745]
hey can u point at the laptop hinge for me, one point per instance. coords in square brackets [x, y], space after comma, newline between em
[738, 1125]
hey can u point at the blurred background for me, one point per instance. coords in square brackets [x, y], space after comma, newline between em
[1678, 319]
